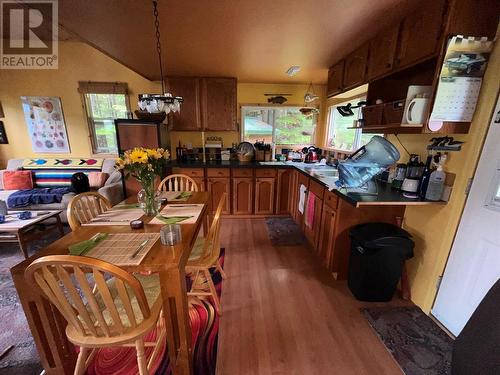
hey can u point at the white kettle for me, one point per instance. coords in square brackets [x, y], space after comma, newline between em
[417, 111]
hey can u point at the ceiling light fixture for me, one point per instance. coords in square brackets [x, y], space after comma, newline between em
[294, 69]
[159, 103]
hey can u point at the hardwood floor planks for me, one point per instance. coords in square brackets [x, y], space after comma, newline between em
[283, 313]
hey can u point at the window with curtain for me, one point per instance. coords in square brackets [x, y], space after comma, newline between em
[340, 135]
[281, 125]
[104, 102]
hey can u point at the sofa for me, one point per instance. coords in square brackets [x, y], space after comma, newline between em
[112, 188]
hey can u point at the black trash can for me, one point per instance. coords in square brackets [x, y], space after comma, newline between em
[378, 251]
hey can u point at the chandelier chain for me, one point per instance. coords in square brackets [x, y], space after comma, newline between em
[158, 44]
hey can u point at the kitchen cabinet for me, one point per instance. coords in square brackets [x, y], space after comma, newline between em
[284, 191]
[242, 195]
[312, 229]
[218, 103]
[355, 67]
[189, 118]
[217, 186]
[382, 52]
[327, 235]
[301, 180]
[335, 78]
[264, 195]
[420, 33]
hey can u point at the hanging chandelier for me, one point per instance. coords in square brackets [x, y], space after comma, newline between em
[159, 103]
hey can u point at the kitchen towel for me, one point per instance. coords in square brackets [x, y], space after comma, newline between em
[302, 198]
[309, 218]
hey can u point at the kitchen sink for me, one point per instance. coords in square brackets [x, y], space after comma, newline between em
[325, 173]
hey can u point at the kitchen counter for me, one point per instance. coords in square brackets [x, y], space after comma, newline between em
[324, 175]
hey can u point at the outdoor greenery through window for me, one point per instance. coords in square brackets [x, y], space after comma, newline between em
[340, 137]
[281, 125]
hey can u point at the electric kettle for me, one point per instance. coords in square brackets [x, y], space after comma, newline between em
[312, 154]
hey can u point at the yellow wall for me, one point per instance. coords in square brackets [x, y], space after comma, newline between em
[253, 93]
[78, 62]
[434, 227]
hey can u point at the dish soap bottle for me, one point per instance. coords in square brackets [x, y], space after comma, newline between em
[436, 182]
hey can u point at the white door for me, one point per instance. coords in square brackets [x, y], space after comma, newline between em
[474, 262]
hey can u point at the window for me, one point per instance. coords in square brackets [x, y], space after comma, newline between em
[104, 102]
[340, 137]
[281, 125]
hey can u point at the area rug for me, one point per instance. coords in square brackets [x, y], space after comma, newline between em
[23, 358]
[283, 231]
[418, 345]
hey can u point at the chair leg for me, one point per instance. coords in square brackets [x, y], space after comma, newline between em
[141, 358]
[220, 269]
[213, 291]
[81, 361]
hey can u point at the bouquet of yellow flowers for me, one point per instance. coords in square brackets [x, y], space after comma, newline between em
[144, 164]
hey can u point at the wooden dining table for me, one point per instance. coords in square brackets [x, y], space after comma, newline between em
[57, 354]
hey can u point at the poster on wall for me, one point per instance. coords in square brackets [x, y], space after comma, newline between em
[460, 80]
[45, 121]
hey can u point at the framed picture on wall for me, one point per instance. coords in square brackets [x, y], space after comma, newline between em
[45, 121]
[3, 135]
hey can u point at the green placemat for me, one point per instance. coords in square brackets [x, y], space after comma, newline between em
[172, 219]
[81, 248]
[126, 206]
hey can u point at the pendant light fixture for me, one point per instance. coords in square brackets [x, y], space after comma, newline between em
[165, 102]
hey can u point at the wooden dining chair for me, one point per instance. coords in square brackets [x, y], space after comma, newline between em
[178, 182]
[84, 207]
[205, 255]
[103, 304]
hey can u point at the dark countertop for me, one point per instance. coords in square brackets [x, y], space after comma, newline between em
[385, 196]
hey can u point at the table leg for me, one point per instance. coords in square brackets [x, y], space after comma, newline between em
[22, 243]
[59, 225]
[175, 307]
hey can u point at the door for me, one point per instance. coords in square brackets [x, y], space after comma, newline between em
[264, 195]
[355, 67]
[301, 180]
[242, 196]
[284, 191]
[382, 52]
[327, 235]
[335, 77]
[420, 33]
[474, 262]
[217, 186]
[218, 100]
[312, 232]
[189, 117]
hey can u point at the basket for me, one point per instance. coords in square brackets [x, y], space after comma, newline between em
[393, 112]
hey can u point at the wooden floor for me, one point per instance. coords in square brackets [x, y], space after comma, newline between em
[284, 314]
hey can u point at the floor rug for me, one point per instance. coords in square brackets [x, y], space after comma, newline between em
[415, 341]
[283, 231]
[22, 359]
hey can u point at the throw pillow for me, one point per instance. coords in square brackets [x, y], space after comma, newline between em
[97, 179]
[17, 180]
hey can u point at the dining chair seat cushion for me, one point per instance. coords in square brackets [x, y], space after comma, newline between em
[151, 286]
[197, 250]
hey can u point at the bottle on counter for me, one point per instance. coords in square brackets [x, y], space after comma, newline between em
[436, 182]
[424, 182]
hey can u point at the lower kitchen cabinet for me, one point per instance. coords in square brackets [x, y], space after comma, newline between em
[312, 229]
[298, 216]
[327, 235]
[284, 191]
[217, 186]
[242, 196]
[264, 195]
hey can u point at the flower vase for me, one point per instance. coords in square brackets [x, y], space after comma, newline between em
[148, 197]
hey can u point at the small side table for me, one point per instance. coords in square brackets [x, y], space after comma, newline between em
[22, 231]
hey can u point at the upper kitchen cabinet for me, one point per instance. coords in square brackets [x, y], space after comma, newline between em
[189, 118]
[420, 33]
[218, 102]
[382, 52]
[335, 78]
[355, 67]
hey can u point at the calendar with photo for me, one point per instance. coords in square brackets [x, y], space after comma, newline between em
[460, 79]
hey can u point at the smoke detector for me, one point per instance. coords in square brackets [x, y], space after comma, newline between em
[293, 70]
